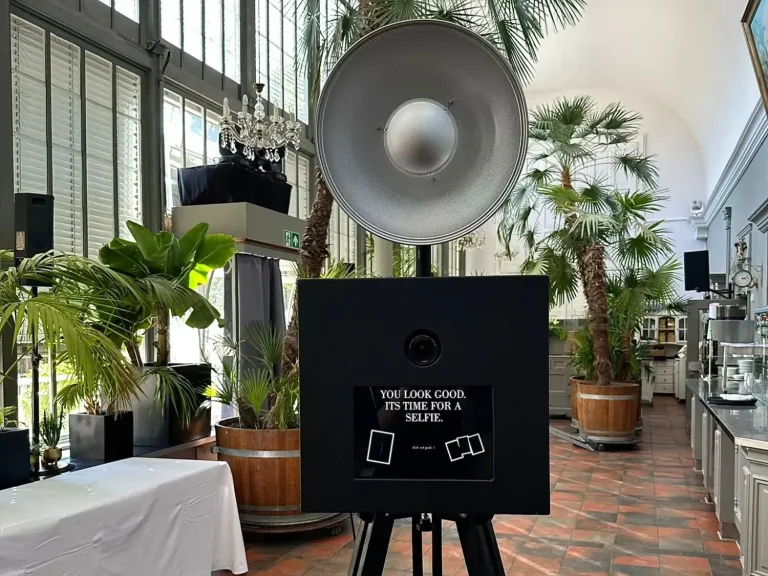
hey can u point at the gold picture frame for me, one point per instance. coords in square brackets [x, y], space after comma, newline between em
[755, 24]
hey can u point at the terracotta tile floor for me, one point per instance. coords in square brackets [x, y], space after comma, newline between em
[639, 513]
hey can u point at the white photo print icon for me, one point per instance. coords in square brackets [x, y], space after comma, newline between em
[464, 446]
[380, 447]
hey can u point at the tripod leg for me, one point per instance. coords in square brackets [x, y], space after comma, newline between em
[437, 546]
[478, 542]
[371, 546]
[418, 558]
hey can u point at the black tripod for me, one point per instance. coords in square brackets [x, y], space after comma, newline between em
[478, 540]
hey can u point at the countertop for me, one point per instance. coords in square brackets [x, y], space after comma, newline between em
[748, 425]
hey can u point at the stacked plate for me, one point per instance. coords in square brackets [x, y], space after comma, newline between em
[746, 365]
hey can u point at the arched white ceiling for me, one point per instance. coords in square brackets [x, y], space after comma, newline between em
[688, 54]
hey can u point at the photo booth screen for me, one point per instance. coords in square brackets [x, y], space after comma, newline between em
[423, 433]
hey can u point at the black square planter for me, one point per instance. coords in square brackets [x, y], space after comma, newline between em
[14, 457]
[103, 437]
[158, 428]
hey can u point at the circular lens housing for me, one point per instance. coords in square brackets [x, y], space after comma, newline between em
[422, 348]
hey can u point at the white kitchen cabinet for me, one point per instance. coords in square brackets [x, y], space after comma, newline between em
[716, 471]
[707, 453]
[665, 376]
[754, 513]
[742, 486]
[724, 487]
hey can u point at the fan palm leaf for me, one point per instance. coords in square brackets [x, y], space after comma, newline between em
[592, 222]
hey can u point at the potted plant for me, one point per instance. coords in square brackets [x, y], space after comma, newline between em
[265, 395]
[66, 319]
[594, 224]
[34, 454]
[170, 410]
[267, 402]
[50, 434]
[14, 450]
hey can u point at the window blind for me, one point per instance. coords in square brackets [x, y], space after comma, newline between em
[99, 133]
[66, 135]
[303, 187]
[111, 184]
[30, 164]
[292, 177]
[128, 99]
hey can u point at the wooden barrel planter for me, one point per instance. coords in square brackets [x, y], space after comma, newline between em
[608, 414]
[574, 384]
[266, 471]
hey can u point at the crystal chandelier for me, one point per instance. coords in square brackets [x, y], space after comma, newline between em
[471, 241]
[257, 132]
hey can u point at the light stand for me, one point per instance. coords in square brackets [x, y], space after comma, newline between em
[35, 404]
[476, 534]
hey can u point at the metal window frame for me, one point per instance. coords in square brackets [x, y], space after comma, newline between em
[99, 28]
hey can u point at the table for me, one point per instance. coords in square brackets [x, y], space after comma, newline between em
[140, 516]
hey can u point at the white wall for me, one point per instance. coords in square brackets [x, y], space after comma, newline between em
[681, 170]
[750, 192]
[689, 55]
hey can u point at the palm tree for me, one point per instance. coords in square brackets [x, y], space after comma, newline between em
[66, 320]
[632, 295]
[593, 221]
[516, 27]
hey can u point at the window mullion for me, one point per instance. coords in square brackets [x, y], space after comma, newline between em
[115, 158]
[48, 118]
[84, 150]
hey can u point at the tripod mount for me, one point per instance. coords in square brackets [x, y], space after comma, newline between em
[476, 534]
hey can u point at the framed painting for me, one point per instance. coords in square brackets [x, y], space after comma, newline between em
[755, 23]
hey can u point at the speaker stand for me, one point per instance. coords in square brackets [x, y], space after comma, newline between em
[476, 534]
[35, 404]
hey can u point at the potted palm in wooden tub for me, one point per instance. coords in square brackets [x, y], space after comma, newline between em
[578, 151]
[262, 443]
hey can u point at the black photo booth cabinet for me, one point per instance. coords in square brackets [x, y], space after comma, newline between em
[425, 395]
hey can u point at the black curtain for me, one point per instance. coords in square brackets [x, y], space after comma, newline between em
[259, 300]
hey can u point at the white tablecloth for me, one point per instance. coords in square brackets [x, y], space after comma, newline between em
[136, 517]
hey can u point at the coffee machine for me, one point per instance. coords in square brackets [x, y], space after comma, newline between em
[723, 323]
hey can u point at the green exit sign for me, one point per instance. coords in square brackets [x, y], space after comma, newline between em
[291, 239]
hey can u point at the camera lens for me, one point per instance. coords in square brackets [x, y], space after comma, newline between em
[422, 348]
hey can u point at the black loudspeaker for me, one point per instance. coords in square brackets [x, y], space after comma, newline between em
[696, 269]
[34, 225]
[426, 412]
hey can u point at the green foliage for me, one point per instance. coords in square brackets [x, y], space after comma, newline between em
[515, 27]
[66, 319]
[632, 295]
[556, 331]
[252, 382]
[403, 259]
[50, 429]
[568, 138]
[6, 413]
[170, 270]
